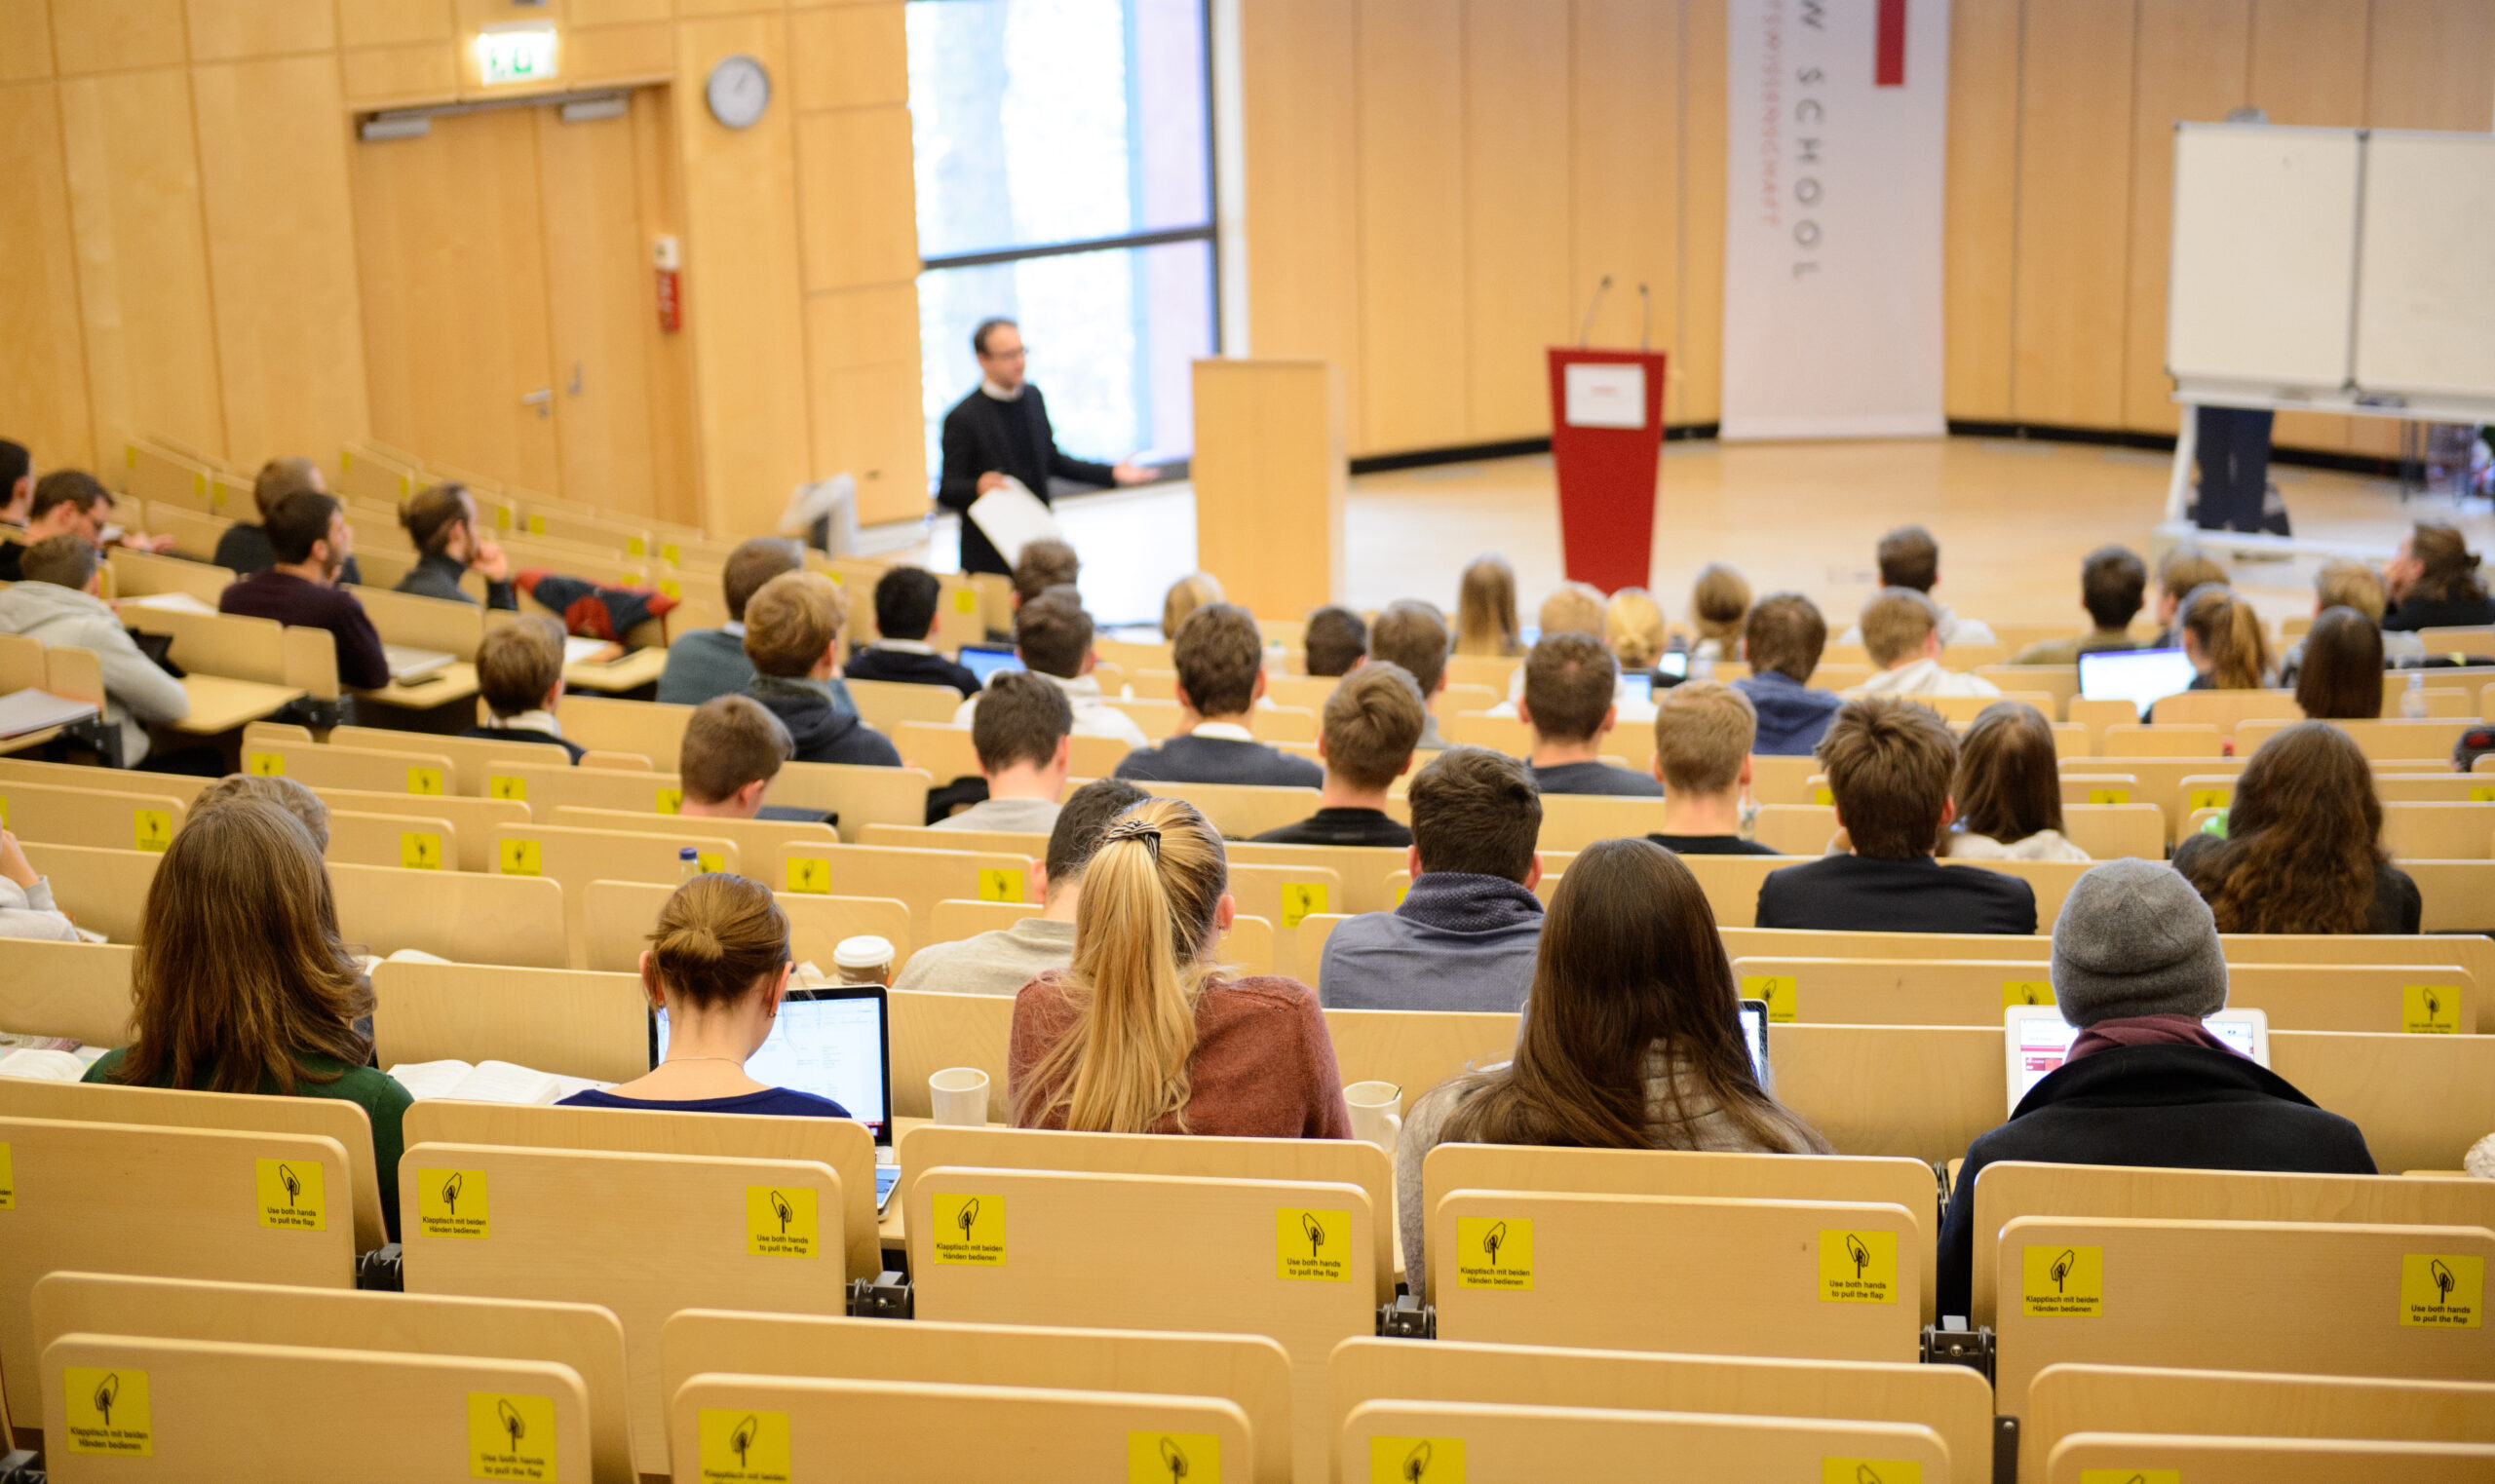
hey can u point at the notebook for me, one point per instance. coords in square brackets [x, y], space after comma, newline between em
[408, 664]
[834, 1041]
[2036, 1041]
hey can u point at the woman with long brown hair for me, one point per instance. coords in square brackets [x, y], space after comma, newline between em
[1631, 1037]
[1145, 1033]
[2339, 671]
[2433, 583]
[1486, 609]
[2009, 789]
[1718, 602]
[2222, 637]
[241, 983]
[2303, 845]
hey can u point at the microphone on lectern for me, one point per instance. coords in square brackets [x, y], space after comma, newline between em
[1645, 316]
[1586, 331]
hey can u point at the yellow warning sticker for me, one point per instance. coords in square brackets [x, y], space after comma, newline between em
[1300, 898]
[2061, 1282]
[1174, 1458]
[1870, 1471]
[1778, 990]
[969, 1229]
[8, 1180]
[130, 455]
[510, 1437]
[267, 765]
[671, 554]
[1857, 1267]
[709, 861]
[451, 1202]
[2429, 1009]
[425, 781]
[1428, 1460]
[779, 1222]
[2480, 793]
[1823, 796]
[2026, 992]
[2109, 796]
[741, 1447]
[291, 1194]
[670, 801]
[536, 525]
[500, 785]
[1493, 1253]
[107, 1411]
[502, 517]
[1313, 1247]
[152, 828]
[669, 587]
[635, 545]
[1401, 890]
[521, 857]
[2131, 1476]
[2443, 1290]
[966, 600]
[2206, 798]
[419, 850]
[999, 885]
[810, 874]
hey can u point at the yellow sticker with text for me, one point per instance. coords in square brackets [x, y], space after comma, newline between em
[504, 787]
[969, 1229]
[1857, 1267]
[2061, 1282]
[779, 1222]
[669, 587]
[8, 1180]
[1778, 990]
[451, 1202]
[2131, 1476]
[2480, 793]
[1491, 1252]
[1823, 796]
[502, 517]
[711, 861]
[635, 545]
[633, 577]
[425, 781]
[130, 455]
[1869, 1471]
[671, 554]
[291, 1194]
[152, 828]
[2429, 1009]
[2206, 798]
[419, 850]
[1403, 1460]
[2109, 796]
[2026, 992]
[1174, 1458]
[267, 765]
[810, 874]
[670, 801]
[2443, 1290]
[107, 1411]
[741, 1447]
[966, 600]
[1314, 1246]
[510, 1436]
[999, 885]
[536, 525]
[1300, 898]
[521, 857]
[4, 810]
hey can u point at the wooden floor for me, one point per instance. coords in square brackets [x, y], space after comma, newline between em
[2014, 519]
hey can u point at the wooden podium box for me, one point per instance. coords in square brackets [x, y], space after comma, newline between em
[1269, 474]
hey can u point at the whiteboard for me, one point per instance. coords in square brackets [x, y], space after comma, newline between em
[2426, 280]
[2264, 254]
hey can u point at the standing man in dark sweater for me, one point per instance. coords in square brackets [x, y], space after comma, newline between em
[1568, 683]
[1000, 429]
[1372, 723]
[311, 543]
[904, 614]
[1221, 657]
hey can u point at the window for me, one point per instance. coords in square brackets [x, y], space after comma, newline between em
[1063, 157]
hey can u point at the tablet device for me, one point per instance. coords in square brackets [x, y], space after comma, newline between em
[2142, 677]
[1755, 1036]
[985, 660]
[837, 1043]
[2036, 1040]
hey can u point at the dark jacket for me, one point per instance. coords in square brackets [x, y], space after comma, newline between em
[986, 435]
[1791, 716]
[2397, 905]
[824, 731]
[2464, 612]
[245, 549]
[1341, 827]
[1596, 778]
[2173, 1106]
[290, 600]
[12, 551]
[526, 737]
[1218, 760]
[1712, 845]
[1856, 894]
[438, 576]
[902, 667]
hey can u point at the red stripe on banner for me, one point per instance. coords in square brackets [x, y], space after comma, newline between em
[1892, 65]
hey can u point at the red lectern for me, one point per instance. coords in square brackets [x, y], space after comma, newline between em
[1607, 444]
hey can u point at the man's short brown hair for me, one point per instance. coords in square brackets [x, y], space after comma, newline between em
[1889, 763]
[1053, 633]
[1372, 722]
[2343, 583]
[281, 478]
[792, 622]
[1568, 683]
[65, 561]
[1219, 653]
[730, 742]
[2186, 568]
[1021, 718]
[1414, 634]
[1042, 564]
[1335, 640]
[1909, 559]
[2112, 582]
[1895, 623]
[752, 564]
[68, 486]
[1784, 633]
[519, 664]
[1703, 730]
[1476, 813]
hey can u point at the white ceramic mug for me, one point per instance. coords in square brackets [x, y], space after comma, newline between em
[960, 1097]
[1376, 1112]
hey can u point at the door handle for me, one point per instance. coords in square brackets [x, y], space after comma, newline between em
[543, 399]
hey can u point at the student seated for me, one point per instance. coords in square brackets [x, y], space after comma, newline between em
[2432, 583]
[2136, 967]
[1568, 707]
[25, 899]
[1003, 961]
[17, 486]
[1023, 735]
[1486, 609]
[2343, 583]
[2339, 668]
[245, 548]
[717, 967]
[905, 613]
[1372, 723]
[1042, 564]
[1052, 638]
[1335, 641]
[1631, 1039]
[1144, 1034]
[1221, 676]
[792, 636]
[54, 601]
[2183, 572]
[2221, 635]
[1900, 630]
[732, 750]
[710, 661]
[2113, 584]
[1464, 936]
[1889, 764]
[241, 984]
[1703, 732]
[1188, 594]
[1782, 639]
[1719, 606]
[1911, 558]
[2009, 789]
[2302, 848]
[1414, 634]
[66, 502]
[285, 792]
[441, 521]
[520, 671]
[311, 540]
[1634, 630]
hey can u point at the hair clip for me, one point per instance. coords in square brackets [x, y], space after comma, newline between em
[1149, 834]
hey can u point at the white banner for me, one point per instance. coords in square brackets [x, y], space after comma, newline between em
[1838, 114]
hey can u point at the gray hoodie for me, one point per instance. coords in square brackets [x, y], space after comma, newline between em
[137, 690]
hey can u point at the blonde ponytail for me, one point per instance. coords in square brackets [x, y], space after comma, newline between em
[2229, 635]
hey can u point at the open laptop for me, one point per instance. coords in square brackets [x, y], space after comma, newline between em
[2142, 677]
[1755, 1036]
[985, 660]
[2036, 1040]
[835, 1043]
[408, 664]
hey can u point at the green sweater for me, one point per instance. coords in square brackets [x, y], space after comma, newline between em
[382, 1100]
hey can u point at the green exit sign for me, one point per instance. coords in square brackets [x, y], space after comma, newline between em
[516, 54]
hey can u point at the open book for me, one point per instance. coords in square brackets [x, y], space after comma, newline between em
[487, 1082]
[45, 1066]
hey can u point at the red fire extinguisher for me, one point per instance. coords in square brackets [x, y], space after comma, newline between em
[668, 258]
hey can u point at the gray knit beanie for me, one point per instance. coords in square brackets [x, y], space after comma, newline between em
[2134, 939]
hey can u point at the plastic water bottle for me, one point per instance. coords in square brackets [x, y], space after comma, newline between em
[688, 863]
[2412, 704]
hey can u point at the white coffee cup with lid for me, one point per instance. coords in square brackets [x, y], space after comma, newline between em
[862, 960]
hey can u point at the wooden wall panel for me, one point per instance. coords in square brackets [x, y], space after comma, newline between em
[116, 35]
[43, 361]
[1300, 73]
[866, 420]
[2431, 64]
[858, 197]
[384, 22]
[599, 298]
[1980, 213]
[1704, 43]
[1412, 276]
[1625, 173]
[675, 440]
[230, 30]
[2309, 67]
[849, 57]
[25, 40]
[2194, 56]
[2075, 120]
[596, 13]
[1516, 211]
[418, 73]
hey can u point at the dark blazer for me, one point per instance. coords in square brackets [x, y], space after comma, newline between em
[290, 600]
[2412, 614]
[438, 576]
[1218, 760]
[2175, 1107]
[902, 667]
[979, 439]
[1341, 827]
[245, 549]
[1855, 894]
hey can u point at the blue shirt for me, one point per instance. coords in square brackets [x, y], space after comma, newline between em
[1791, 716]
[780, 1102]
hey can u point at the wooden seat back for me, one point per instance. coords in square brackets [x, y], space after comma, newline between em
[2389, 739]
[1031, 845]
[138, 781]
[99, 819]
[515, 773]
[619, 916]
[2070, 1399]
[653, 729]
[2164, 740]
[757, 840]
[402, 841]
[420, 771]
[921, 878]
[465, 916]
[2087, 1456]
[561, 1020]
[1571, 821]
[885, 705]
[103, 891]
[78, 990]
[1417, 1050]
[1402, 1440]
[859, 796]
[2437, 831]
[439, 624]
[576, 857]
[1240, 810]
[473, 820]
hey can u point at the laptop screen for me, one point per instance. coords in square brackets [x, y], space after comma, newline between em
[1755, 1036]
[828, 1042]
[1637, 687]
[2045, 1040]
[982, 661]
[2142, 677]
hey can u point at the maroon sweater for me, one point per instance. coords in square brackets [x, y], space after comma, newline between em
[1263, 1065]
